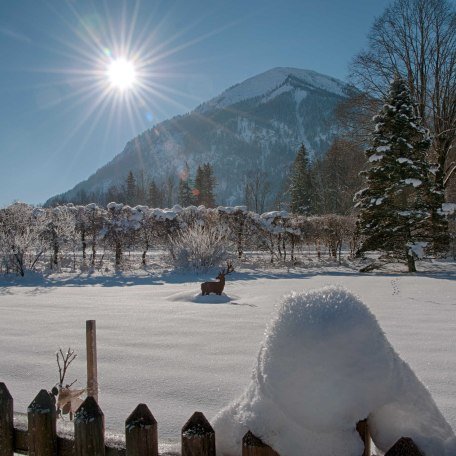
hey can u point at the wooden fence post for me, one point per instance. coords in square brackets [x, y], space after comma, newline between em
[198, 437]
[405, 446]
[141, 436]
[89, 429]
[363, 431]
[92, 371]
[253, 446]
[42, 435]
[6, 422]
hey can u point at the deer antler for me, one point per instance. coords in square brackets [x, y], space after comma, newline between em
[230, 267]
[67, 359]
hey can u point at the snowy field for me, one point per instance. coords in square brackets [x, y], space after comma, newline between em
[161, 343]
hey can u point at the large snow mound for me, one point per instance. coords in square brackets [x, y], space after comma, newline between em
[324, 365]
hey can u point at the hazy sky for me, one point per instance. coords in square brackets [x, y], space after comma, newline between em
[61, 118]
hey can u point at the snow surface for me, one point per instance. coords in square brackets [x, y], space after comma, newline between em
[323, 366]
[161, 344]
[269, 84]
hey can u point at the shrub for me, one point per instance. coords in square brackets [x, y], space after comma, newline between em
[199, 248]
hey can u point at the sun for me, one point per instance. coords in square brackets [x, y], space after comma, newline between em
[122, 74]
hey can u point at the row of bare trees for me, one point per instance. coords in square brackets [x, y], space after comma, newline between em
[85, 235]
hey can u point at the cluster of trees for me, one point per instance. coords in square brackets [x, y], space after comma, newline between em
[87, 235]
[326, 185]
[408, 73]
[141, 189]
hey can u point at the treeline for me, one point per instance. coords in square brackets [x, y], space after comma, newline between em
[140, 189]
[331, 182]
[86, 236]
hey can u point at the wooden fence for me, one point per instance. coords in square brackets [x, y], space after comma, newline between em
[141, 439]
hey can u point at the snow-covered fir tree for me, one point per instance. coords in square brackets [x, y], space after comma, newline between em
[395, 211]
[300, 183]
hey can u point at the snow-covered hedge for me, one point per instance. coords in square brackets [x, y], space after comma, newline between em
[90, 236]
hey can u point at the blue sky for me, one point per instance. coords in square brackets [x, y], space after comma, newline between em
[61, 119]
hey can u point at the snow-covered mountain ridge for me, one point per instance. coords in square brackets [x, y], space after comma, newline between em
[255, 126]
[271, 82]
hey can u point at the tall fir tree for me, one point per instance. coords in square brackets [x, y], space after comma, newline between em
[395, 208]
[300, 188]
[204, 185]
[185, 193]
[131, 189]
[155, 197]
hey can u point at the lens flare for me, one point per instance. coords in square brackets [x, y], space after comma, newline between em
[122, 74]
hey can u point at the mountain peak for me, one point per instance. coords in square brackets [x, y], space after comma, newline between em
[264, 83]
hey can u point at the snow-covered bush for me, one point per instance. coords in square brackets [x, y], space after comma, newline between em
[199, 248]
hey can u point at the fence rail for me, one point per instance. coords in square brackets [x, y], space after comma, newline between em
[141, 437]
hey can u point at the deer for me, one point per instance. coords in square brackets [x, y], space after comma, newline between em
[217, 287]
[67, 399]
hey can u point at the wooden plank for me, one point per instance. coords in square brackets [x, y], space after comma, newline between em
[253, 446]
[92, 370]
[42, 434]
[6, 422]
[363, 431]
[198, 437]
[20, 441]
[141, 435]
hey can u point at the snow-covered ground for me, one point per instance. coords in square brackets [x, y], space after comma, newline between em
[161, 343]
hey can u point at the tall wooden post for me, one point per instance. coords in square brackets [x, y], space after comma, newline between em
[141, 436]
[89, 429]
[42, 434]
[198, 437]
[91, 344]
[6, 421]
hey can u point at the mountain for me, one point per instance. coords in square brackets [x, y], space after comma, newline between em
[256, 125]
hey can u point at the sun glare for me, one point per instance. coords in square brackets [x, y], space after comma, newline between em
[122, 74]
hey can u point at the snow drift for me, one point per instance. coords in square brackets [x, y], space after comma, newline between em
[324, 365]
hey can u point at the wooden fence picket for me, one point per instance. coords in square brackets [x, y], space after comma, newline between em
[253, 446]
[363, 431]
[42, 434]
[89, 429]
[405, 446]
[141, 435]
[6, 422]
[198, 437]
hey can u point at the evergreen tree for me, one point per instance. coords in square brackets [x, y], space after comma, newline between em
[395, 206]
[300, 188]
[131, 190]
[204, 185]
[185, 192]
[155, 197]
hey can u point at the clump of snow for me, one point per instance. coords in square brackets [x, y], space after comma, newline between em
[448, 209]
[417, 249]
[414, 182]
[405, 160]
[375, 157]
[324, 365]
